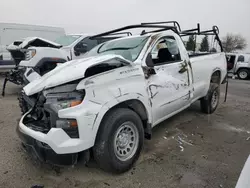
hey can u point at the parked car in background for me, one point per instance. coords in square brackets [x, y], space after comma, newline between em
[239, 64]
[35, 56]
[110, 100]
[10, 32]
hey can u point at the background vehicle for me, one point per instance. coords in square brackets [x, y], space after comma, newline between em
[239, 64]
[35, 56]
[10, 32]
[116, 94]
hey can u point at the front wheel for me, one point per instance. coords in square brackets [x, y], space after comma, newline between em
[119, 140]
[243, 74]
[210, 102]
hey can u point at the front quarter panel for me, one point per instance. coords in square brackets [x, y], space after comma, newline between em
[104, 91]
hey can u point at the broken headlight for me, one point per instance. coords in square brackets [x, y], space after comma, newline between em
[63, 100]
[30, 54]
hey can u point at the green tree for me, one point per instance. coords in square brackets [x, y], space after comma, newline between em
[190, 43]
[204, 45]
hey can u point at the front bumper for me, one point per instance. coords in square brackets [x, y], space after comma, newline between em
[44, 153]
[58, 140]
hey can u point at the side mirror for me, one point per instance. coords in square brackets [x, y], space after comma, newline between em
[80, 49]
[149, 60]
[77, 53]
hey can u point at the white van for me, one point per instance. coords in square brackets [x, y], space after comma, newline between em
[10, 32]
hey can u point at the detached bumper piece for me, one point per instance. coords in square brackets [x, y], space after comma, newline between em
[44, 153]
[15, 76]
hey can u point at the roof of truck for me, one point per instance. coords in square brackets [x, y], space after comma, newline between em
[81, 34]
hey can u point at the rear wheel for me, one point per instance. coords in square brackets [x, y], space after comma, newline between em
[210, 102]
[243, 74]
[119, 140]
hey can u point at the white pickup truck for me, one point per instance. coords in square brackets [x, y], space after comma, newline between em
[35, 56]
[109, 101]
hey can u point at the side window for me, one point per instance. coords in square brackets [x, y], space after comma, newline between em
[241, 58]
[166, 51]
[84, 46]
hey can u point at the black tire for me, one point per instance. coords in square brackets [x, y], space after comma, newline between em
[104, 152]
[207, 104]
[243, 74]
[22, 104]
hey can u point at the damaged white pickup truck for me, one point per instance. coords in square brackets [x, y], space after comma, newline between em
[109, 101]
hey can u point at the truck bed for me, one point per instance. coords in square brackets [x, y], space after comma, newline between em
[203, 66]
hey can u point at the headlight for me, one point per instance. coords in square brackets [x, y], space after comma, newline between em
[66, 123]
[68, 104]
[30, 54]
[59, 101]
[65, 104]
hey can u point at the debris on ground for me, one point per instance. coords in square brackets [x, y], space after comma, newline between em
[37, 186]
[182, 148]
[205, 156]
[184, 141]
[106, 183]
[6, 172]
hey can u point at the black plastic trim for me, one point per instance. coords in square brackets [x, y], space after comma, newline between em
[44, 153]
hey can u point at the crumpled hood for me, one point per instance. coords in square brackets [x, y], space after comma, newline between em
[67, 72]
[24, 43]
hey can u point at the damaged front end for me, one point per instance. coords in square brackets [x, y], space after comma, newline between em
[20, 51]
[15, 75]
[42, 117]
[56, 114]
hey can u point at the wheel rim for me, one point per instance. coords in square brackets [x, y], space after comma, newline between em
[215, 99]
[243, 74]
[126, 141]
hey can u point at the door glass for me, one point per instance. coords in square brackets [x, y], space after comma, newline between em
[241, 58]
[166, 51]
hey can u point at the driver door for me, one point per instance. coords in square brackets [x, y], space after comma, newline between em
[170, 87]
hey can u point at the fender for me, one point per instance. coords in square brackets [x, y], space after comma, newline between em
[123, 98]
[222, 77]
[92, 113]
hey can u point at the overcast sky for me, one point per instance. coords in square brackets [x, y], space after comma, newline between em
[93, 16]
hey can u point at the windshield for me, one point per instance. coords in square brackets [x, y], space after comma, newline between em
[66, 40]
[128, 48]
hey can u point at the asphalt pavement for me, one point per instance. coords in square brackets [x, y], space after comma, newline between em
[190, 149]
